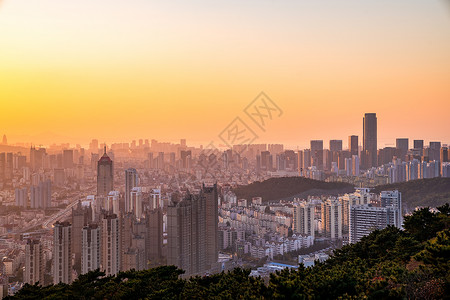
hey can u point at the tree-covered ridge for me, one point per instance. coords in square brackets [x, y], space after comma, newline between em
[421, 192]
[284, 187]
[387, 264]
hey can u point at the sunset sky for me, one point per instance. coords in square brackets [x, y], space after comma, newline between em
[122, 70]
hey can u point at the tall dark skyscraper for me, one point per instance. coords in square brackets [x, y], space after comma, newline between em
[192, 227]
[434, 151]
[353, 144]
[186, 234]
[212, 219]
[402, 145]
[335, 145]
[418, 144]
[105, 175]
[317, 154]
[370, 140]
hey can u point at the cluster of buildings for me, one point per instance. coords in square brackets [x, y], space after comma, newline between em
[348, 217]
[257, 230]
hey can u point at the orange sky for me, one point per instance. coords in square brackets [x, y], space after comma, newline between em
[116, 70]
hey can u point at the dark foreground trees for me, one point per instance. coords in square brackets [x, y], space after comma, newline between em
[388, 264]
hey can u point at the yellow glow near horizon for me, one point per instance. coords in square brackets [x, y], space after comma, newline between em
[119, 71]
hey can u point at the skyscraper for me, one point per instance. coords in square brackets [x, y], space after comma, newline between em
[131, 181]
[332, 218]
[110, 244]
[370, 140]
[136, 202]
[34, 262]
[90, 248]
[402, 145]
[186, 221]
[105, 175]
[366, 218]
[434, 151]
[154, 242]
[212, 220]
[303, 221]
[41, 195]
[81, 217]
[22, 197]
[317, 154]
[418, 144]
[68, 159]
[36, 158]
[335, 145]
[62, 253]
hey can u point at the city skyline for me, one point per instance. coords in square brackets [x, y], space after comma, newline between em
[144, 69]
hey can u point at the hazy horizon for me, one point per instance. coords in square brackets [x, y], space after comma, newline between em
[121, 71]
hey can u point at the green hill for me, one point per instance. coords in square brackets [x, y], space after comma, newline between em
[289, 187]
[431, 192]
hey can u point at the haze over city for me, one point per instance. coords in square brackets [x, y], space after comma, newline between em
[114, 71]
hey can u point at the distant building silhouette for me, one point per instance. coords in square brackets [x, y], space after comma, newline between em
[370, 140]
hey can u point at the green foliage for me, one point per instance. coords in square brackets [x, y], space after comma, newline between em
[421, 192]
[285, 187]
[387, 264]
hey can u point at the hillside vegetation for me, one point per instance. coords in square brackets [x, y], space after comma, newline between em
[288, 187]
[387, 264]
[431, 192]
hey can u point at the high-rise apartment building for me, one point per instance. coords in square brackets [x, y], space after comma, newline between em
[402, 145]
[81, 217]
[110, 244]
[186, 221]
[90, 248]
[212, 222]
[112, 204]
[105, 175]
[303, 218]
[131, 181]
[332, 218]
[434, 151]
[353, 144]
[62, 252]
[370, 140]
[366, 218]
[34, 262]
[68, 159]
[21, 197]
[154, 242]
[136, 202]
[394, 199]
[335, 145]
[317, 154]
[41, 195]
[36, 158]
